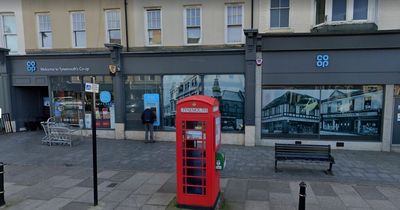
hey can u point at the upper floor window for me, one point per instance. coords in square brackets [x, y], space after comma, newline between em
[113, 26]
[153, 27]
[279, 13]
[193, 25]
[234, 26]
[45, 33]
[8, 32]
[344, 10]
[339, 10]
[78, 29]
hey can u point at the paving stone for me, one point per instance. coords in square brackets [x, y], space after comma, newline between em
[282, 207]
[153, 207]
[122, 176]
[330, 202]
[116, 196]
[76, 206]
[381, 204]
[135, 201]
[235, 205]
[322, 189]
[135, 181]
[159, 178]
[389, 192]
[257, 195]
[258, 184]
[107, 174]
[235, 194]
[256, 205]
[74, 192]
[41, 193]
[295, 189]
[147, 189]
[88, 182]
[369, 193]
[88, 196]
[277, 199]
[27, 204]
[168, 187]
[223, 183]
[278, 187]
[160, 199]
[10, 189]
[55, 203]
[67, 183]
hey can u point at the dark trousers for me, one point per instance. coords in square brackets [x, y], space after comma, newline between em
[148, 127]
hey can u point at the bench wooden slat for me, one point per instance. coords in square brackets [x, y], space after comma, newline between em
[303, 152]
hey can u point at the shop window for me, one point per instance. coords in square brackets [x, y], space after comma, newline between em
[327, 112]
[8, 32]
[153, 26]
[344, 10]
[113, 26]
[45, 32]
[105, 107]
[135, 88]
[320, 11]
[279, 13]
[78, 29]
[339, 10]
[234, 23]
[193, 25]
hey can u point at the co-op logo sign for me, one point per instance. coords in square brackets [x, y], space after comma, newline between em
[31, 66]
[322, 61]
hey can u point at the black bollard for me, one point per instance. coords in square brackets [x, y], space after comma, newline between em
[2, 202]
[302, 196]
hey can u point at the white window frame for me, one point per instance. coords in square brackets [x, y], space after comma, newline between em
[270, 16]
[185, 25]
[3, 41]
[371, 16]
[39, 38]
[72, 29]
[146, 27]
[106, 24]
[226, 23]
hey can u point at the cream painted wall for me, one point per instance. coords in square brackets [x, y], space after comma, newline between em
[213, 20]
[388, 14]
[14, 6]
[59, 11]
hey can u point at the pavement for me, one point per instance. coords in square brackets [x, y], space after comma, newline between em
[134, 175]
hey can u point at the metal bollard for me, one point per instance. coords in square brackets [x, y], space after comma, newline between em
[2, 202]
[302, 196]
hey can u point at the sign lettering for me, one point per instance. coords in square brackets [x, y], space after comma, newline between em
[194, 110]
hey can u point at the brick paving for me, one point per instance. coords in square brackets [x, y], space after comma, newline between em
[134, 175]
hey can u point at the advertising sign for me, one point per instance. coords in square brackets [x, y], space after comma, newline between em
[152, 101]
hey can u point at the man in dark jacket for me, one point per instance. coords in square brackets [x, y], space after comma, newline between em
[148, 118]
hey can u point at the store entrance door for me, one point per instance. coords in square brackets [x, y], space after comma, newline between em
[396, 122]
[31, 106]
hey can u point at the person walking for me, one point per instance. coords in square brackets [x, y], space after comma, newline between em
[148, 118]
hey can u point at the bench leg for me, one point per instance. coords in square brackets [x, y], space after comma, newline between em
[276, 166]
[330, 167]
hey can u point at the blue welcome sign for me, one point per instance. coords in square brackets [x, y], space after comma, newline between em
[322, 61]
[152, 100]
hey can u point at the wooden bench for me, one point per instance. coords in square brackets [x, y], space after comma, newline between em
[308, 152]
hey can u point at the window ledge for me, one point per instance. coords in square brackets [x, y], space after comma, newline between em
[345, 26]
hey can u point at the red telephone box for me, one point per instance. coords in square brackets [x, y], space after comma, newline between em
[198, 137]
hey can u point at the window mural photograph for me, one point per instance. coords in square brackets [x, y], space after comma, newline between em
[323, 112]
[228, 89]
[290, 111]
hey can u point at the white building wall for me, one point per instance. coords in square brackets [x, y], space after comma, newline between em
[388, 14]
[15, 6]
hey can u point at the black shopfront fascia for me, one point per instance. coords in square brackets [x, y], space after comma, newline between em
[230, 61]
[357, 59]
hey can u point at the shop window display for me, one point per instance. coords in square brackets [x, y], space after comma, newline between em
[323, 112]
[105, 108]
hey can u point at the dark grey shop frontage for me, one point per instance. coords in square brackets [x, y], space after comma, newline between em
[328, 88]
[43, 86]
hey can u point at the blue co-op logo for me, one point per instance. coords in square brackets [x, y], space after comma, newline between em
[31, 66]
[322, 61]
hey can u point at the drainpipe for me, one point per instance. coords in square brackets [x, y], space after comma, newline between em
[252, 13]
[126, 26]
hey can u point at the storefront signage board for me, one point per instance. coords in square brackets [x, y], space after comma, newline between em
[152, 100]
